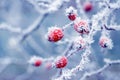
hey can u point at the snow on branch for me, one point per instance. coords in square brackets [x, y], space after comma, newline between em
[86, 28]
[23, 34]
[7, 27]
[68, 73]
[106, 66]
[47, 6]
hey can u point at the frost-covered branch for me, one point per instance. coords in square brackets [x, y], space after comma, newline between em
[23, 34]
[7, 27]
[68, 73]
[35, 26]
[84, 24]
[47, 6]
[108, 63]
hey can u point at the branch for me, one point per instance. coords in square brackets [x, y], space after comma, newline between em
[106, 66]
[67, 74]
[7, 27]
[48, 6]
[24, 33]
[108, 28]
[35, 26]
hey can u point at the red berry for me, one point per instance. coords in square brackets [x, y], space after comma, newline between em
[81, 26]
[88, 6]
[79, 43]
[72, 17]
[103, 42]
[61, 62]
[106, 42]
[71, 13]
[35, 61]
[38, 63]
[55, 34]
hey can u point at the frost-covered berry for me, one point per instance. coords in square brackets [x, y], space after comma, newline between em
[79, 43]
[55, 34]
[71, 13]
[35, 61]
[105, 42]
[61, 62]
[81, 26]
[87, 6]
[38, 63]
[72, 17]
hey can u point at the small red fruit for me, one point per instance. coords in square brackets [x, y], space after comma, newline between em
[104, 42]
[55, 34]
[37, 63]
[81, 26]
[79, 43]
[71, 13]
[61, 62]
[88, 6]
[72, 17]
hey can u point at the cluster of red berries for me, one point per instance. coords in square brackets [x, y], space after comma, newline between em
[55, 34]
[81, 26]
[60, 62]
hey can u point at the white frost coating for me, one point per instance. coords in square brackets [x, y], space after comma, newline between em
[115, 5]
[97, 20]
[51, 30]
[106, 66]
[79, 43]
[51, 6]
[96, 26]
[67, 74]
[35, 58]
[106, 60]
[99, 16]
[84, 61]
[70, 10]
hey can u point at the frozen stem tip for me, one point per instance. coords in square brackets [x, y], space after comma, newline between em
[54, 34]
[71, 13]
[35, 61]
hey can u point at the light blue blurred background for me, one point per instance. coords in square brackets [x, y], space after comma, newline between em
[13, 60]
